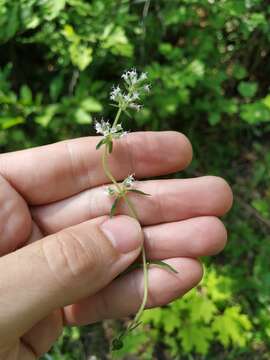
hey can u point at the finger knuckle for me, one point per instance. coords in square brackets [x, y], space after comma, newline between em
[69, 261]
[78, 259]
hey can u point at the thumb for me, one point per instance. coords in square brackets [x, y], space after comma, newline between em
[63, 268]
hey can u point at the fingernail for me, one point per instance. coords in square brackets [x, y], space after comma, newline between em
[124, 233]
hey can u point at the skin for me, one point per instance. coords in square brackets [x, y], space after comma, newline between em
[58, 267]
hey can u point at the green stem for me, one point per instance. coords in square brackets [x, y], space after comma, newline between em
[145, 290]
[107, 169]
[117, 117]
[134, 214]
[145, 267]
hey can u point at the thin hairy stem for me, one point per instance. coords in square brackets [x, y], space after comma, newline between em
[107, 169]
[125, 99]
[145, 288]
[117, 117]
[134, 214]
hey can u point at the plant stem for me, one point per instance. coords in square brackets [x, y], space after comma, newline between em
[145, 288]
[107, 169]
[134, 214]
[117, 117]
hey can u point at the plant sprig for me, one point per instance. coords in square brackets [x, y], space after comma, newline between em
[134, 87]
[124, 188]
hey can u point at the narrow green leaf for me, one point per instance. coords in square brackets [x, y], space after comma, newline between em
[132, 267]
[134, 326]
[139, 192]
[163, 265]
[113, 208]
[102, 142]
[110, 146]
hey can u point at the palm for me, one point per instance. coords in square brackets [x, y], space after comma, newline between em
[62, 185]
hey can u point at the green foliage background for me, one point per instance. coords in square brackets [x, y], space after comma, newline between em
[208, 61]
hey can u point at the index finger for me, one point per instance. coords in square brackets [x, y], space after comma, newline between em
[53, 172]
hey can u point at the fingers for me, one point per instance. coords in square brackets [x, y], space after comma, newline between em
[62, 269]
[201, 236]
[124, 295]
[193, 237]
[41, 337]
[15, 218]
[170, 200]
[54, 172]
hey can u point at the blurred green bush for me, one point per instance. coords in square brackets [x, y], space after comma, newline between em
[208, 62]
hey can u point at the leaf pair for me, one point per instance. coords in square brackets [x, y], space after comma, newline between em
[116, 201]
[106, 141]
[114, 205]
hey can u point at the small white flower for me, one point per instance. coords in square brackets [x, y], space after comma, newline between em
[135, 106]
[115, 129]
[135, 96]
[104, 128]
[135, 86]
[131, 77]
[116, 93]
[146, 88]
[143, 76]
[129, 181]
[110, 191]
[125, 76]
[127, 98]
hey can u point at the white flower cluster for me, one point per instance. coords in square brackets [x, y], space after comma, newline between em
[126, 185]
[131, 77]
[111, 191]
[135, 86]
[129, 181]
[104, 128]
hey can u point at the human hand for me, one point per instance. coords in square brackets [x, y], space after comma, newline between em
[61, 254]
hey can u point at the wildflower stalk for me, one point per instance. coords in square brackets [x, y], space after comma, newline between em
[117, 117]
[134, 214]
[127, 99]
[136, 320]
[107, 169]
